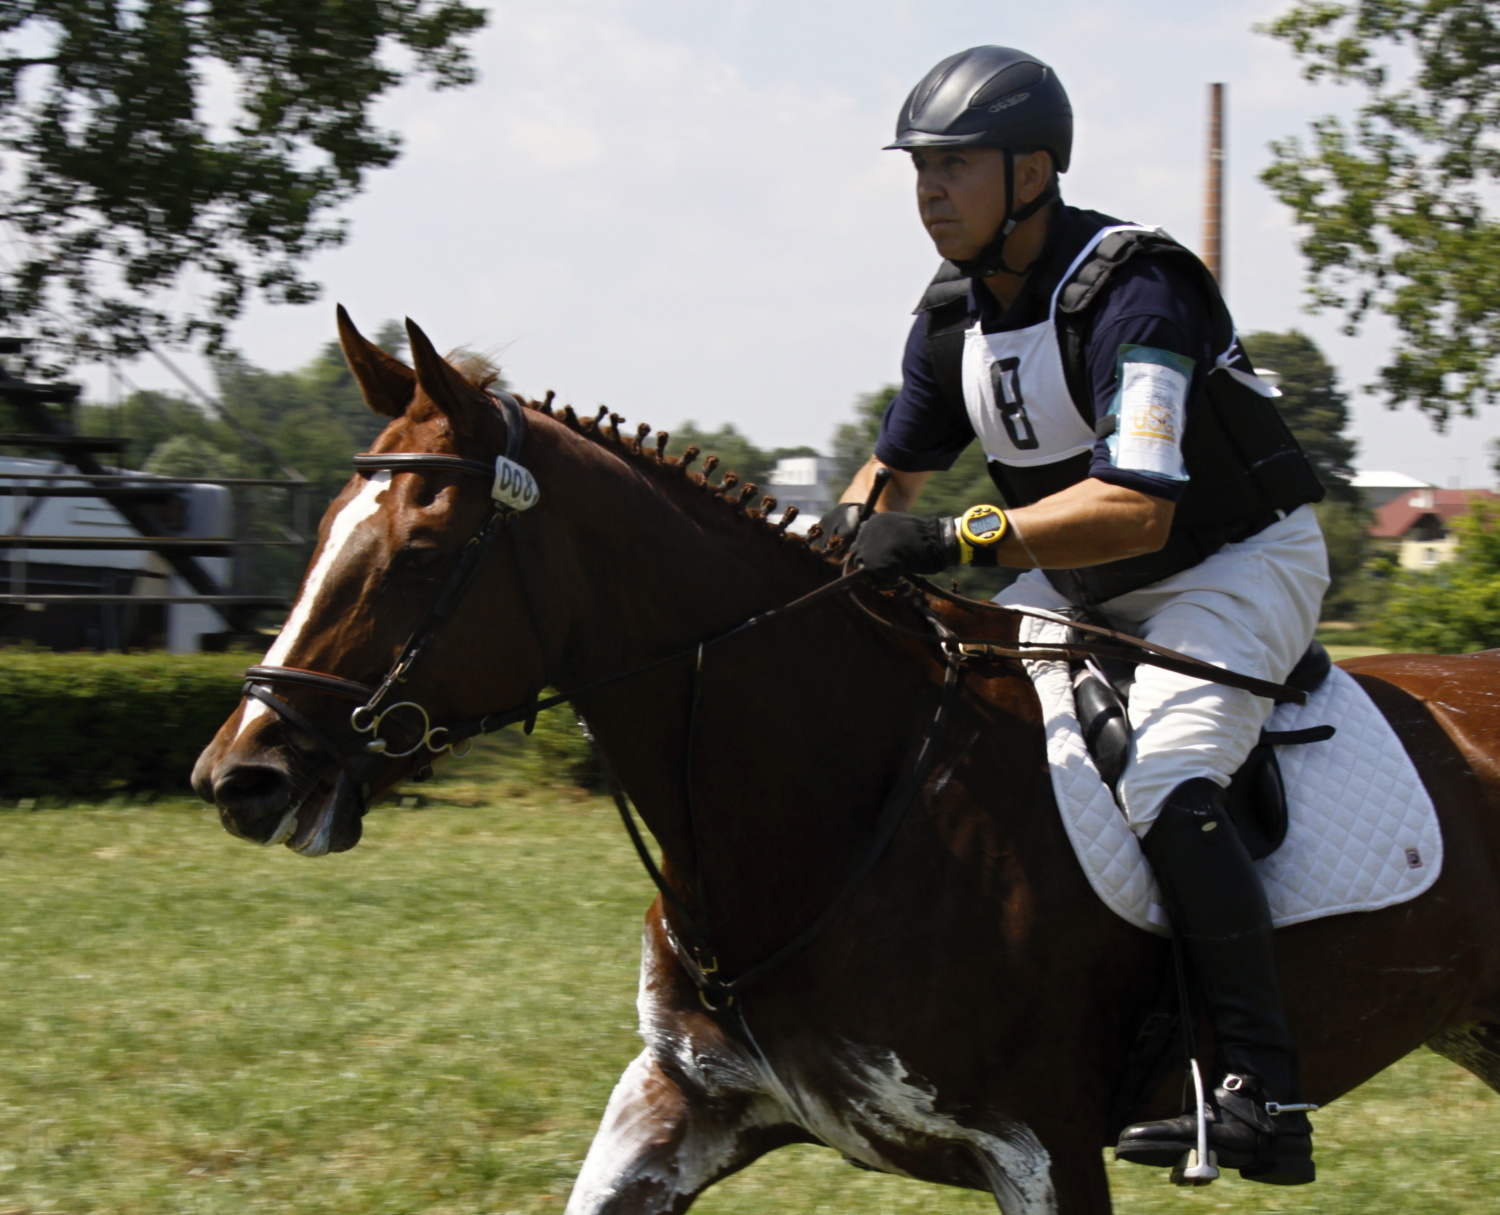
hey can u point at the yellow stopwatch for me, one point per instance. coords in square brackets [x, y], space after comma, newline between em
[981, 528]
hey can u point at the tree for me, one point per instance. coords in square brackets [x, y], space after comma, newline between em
[1313, 406]
[312, 419]
[736, 453]
[187, 456]
[1316, 410]
[1393, 205]
[126, 194]
[854, 441]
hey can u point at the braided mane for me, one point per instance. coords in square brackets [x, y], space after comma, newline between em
[669, 470]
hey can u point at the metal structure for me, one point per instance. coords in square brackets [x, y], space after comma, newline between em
[190, 538]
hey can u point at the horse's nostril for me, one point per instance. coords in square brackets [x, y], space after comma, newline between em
[251, 785]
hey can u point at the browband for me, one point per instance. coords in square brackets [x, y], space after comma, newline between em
[427, 461]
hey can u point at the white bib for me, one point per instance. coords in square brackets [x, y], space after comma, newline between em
[1015, 388]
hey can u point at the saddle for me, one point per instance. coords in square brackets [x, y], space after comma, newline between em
[1257, 795]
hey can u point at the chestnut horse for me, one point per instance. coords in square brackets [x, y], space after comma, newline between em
[967, 1016]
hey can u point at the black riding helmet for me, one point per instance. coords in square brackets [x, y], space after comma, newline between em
[998, 97]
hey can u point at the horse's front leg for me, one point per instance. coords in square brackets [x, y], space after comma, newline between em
[691, 1109]
[663, 1141]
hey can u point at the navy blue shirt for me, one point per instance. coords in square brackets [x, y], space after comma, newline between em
[1147, 302]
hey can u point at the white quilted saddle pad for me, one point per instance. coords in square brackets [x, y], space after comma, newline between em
[1362, 832]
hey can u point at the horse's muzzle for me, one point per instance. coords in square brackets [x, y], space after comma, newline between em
[263, 798]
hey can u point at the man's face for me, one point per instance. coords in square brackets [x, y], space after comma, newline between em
[961, 194]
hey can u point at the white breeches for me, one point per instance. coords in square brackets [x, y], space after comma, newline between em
[1252, 608]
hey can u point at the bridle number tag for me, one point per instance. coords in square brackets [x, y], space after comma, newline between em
[514, 486]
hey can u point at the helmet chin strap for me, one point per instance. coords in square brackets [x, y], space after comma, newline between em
[991, 259]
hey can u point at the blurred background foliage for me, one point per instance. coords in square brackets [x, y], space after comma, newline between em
[1394, 204]
[121, 189]
[86, 727]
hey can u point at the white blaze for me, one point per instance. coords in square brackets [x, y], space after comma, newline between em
[345, 523]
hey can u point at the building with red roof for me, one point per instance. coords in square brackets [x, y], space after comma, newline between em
[1417, 525]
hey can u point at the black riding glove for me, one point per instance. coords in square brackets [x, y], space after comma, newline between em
[842, 520]
[891, 544]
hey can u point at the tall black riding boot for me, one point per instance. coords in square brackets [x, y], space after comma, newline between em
[1220, 914]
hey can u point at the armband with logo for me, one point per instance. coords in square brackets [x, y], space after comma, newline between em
[979, 531]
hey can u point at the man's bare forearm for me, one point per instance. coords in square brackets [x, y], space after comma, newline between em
[901, 491]
[1086, 524]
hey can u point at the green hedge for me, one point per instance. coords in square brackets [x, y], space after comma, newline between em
[557, 753]
[99, 725]
[91, 725]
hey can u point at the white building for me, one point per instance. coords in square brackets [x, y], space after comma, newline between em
[198, 511]
[806, 482]
[1378, 488]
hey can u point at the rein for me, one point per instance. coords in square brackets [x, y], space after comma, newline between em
[514, 491]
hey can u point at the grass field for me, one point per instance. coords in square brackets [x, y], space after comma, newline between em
[431, 1024]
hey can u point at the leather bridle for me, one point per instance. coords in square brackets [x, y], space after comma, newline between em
[513, 491]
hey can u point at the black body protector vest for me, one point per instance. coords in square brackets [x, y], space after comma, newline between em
[1028, 395]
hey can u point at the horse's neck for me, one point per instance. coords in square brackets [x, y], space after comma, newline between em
[791, 731]
[656, 564]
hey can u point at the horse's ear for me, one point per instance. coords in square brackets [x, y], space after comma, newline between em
[387, 383]
[440, 380]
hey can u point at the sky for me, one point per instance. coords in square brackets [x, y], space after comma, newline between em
[680, 209]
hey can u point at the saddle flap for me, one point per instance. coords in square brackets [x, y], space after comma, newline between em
[1311, 669]
[1257, 802]
[1362, 833]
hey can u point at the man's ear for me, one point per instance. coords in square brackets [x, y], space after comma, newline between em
[1034, 171]
[387, 383]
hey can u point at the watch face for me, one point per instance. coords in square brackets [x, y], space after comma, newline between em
[982, 527]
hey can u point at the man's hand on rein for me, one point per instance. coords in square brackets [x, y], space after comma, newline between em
[892, 544]
[841, 522]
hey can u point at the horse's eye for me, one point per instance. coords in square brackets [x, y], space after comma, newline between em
[423, 559]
